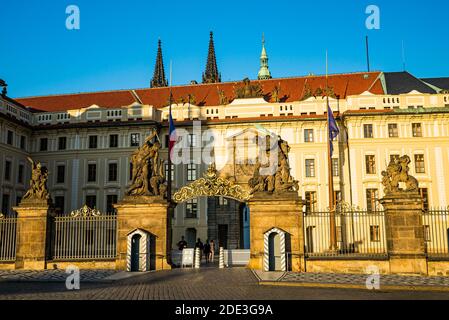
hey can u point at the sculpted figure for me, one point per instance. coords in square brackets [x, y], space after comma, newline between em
[38, 183]
[397, 172]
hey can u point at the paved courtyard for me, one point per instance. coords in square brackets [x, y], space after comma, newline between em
[183, 284]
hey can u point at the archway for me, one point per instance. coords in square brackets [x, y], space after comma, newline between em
[135, 253]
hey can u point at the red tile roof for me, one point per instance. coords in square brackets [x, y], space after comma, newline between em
[291, 89]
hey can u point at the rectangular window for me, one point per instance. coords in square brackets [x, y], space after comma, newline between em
[112, 172]
[394, 157]
[93, 142]
[91, 202]
[191, 172]
[192, 140]
[192, 208]
[419, 163]
[5, 204]
[374, 232]
[135, 140]
[425, 198]
[9, 138]
[337, 197]
[167, 140]
[311, 201]
[60, 174]
[310, 168]
[111, 199]
[370, 162]
[427, 237]
[91, 172]
[43, 146]
[172, 172]
[62, 143]
[308, 135]
[113, 141]
[20, 173]
[8, 170]
[335, 168]
[22, 142]
[368, 131]
[416, 130]
[393, 130]
[371, 199]
[130, 171]
[222, 201]
[59, 204]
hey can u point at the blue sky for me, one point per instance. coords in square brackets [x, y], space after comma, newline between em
[116, 45]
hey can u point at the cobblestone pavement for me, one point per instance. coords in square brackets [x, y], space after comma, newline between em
[388, 280]
[189, 284]
[52, 275]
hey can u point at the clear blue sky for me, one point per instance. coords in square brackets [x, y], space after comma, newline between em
[116, 45]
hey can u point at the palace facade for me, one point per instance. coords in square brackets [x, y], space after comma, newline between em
[85, 140]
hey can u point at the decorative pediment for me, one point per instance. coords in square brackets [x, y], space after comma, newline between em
[211, 185]
[85, 211]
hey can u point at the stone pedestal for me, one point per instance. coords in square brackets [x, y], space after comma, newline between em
[282, 211]
[33, 234]
[405, 233]
[147, 213]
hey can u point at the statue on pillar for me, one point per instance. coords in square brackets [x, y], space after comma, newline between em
[38, 183]
[396, 173]
[148, 177]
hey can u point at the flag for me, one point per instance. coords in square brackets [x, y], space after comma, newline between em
[332, 127]
[172, 134]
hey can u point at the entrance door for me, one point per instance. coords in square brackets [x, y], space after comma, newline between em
[274, 251]
[223, 235]
[135, 253]
[191, 237]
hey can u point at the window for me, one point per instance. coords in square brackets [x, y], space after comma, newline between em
[5, 204]
[9, 137]
[311, 201]
[374, 232]
[91, 172]
[222, 201]
[20, 173]
[130, 171]
[371, 198]
[172, 171]
[416, 130]
[60, 174]
[43, 146]
[93, 142]
[91, 202]
[425, 198]
[368, 130]
[337, 197]
[59, 204]
[191, 172]
[135, 139]
[7, 170]
[113, 141]
[167, 140]
[335, 168]
[370, 162]
[308, 135]
[394, 157]
[62, 143]
[112, 172]
[419, 163]
[22, 142]
[427, 237]
[393, 130]
[192, 208]
[192, 140]
[111, 199]
[310, 168]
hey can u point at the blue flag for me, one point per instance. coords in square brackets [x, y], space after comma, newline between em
[333, 128]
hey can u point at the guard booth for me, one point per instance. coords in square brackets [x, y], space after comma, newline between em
[140, 254]
[274, 247]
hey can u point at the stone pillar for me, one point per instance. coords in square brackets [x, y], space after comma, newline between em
[148, 213]
[34, 234]
[405, 233]
[283, 211]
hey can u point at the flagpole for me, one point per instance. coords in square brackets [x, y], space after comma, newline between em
[169, 171]
[332, 224]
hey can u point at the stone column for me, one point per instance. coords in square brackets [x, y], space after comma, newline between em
[150, 214]
[282, 211]
[405, 233]
[34, 230]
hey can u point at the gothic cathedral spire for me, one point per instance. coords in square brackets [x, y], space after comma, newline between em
[211, 75]
[159, 79]
[264, 72]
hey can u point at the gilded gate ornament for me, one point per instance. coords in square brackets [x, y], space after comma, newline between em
[38, 183]
[397, 172]
[211, 185]
[85, 211]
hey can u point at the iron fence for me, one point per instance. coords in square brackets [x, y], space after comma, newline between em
[360, 233]
[436, 232]
[85, 237]
[8, 227]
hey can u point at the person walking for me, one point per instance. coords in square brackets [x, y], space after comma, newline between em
[212, 251]
[199, 245]
[182, 244]
[206, 251]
